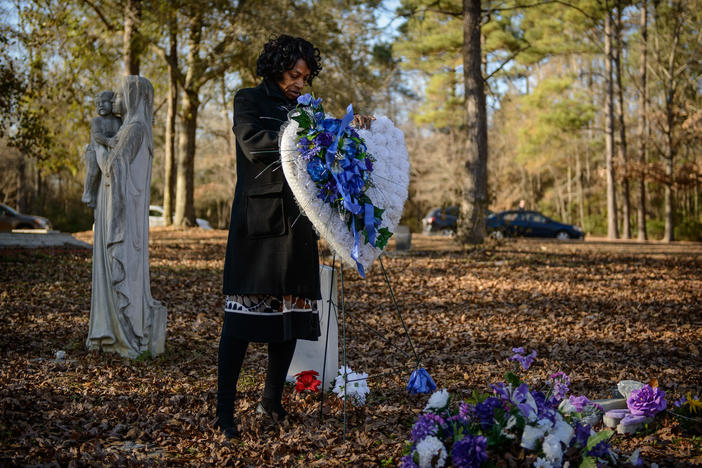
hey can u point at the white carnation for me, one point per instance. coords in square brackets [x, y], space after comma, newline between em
[354, 385]
[438, 400]
[432, 453]
[552, 449]
[531, 436]
[563, 431]
[542, 463]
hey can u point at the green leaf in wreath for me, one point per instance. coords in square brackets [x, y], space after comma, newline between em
[303, 119]
[588, 462]
[383, 237]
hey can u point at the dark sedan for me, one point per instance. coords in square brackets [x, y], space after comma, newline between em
[441, 220]
[10, 219]
[529, 224]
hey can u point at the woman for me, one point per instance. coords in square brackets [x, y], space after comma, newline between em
[123, 315]
[271, 270]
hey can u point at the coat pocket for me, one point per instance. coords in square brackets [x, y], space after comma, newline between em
[265, 214]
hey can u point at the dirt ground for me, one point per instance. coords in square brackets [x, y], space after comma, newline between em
[600, 311]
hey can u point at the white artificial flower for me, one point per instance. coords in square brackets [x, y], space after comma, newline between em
[542, 463]
[544, 424]
[429, 449]
[551, 447]
[357, 385]
[438, 400]
[563, 431]
[566, 407]
[531, 436]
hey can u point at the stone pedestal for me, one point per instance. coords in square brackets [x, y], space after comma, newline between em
[309, 355]
[403, 237]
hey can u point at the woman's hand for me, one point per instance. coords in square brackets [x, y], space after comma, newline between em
[362, 121]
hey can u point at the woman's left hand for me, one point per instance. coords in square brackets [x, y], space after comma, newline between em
[362, 121]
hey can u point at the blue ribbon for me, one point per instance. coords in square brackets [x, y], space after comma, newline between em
[342, 126]
[369, 218]
[355, 252]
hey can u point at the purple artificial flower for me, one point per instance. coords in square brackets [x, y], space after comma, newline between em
[407, 462]
[581, 434]
[485, 411]
[600, 450]
[680, 402]
[646, 401]
[469, 452]
[324, 139]
[465, 411]
[520, 397]
[525, 361]
[560, 382]
[544, 408]
[579, 402]
[427, 424]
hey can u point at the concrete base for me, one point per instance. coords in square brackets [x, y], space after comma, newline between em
[40, 238]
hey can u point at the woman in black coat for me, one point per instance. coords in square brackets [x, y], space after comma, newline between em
[271, 269]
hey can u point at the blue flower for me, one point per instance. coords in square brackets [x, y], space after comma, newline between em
[600, 450]
[369, 164]
[331, 125]
[469, 452]
[581, 434]
[525, 361]
[485, 411]
[305, 99]
[407, 462]
[324, 139]
[317, 171]
[420, 382]
[316, 102]
[427, 424]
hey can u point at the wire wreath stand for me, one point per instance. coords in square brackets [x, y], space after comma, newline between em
[330, 306]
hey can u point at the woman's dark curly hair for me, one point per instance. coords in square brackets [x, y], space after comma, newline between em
[281, 54]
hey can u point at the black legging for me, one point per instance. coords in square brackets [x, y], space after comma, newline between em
[231, 357]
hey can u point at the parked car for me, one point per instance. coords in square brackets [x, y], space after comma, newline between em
[156, 218]
[524, 223]
[441, 220]
[10, 219]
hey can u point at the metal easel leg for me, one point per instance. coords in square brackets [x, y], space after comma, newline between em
[343, 313]
[326, 342]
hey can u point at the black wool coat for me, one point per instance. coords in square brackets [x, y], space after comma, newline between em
[272, 249]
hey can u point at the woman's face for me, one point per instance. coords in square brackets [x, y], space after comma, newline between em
[294, 80]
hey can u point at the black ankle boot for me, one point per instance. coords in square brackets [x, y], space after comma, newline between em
[226, 423]
[272, 410]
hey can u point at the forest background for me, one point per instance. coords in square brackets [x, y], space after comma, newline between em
[593, 107]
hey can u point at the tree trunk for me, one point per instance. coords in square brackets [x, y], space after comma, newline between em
[612, 231]
[643, 127]
[169, 164]
[131, 43]
[185, 180]
[185, 200]
[474, 202]
[623, 157]
[668, 158]
[579, 187]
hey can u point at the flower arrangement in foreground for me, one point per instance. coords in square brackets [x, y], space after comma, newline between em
[340, 167]
[349, 384]
[553, 428]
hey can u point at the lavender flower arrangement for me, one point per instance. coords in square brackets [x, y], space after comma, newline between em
[513, 417]
[646, 401]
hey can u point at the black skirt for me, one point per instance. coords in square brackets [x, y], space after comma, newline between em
[267, 318]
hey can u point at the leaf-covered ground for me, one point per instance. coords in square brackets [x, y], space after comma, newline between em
[599, 311]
